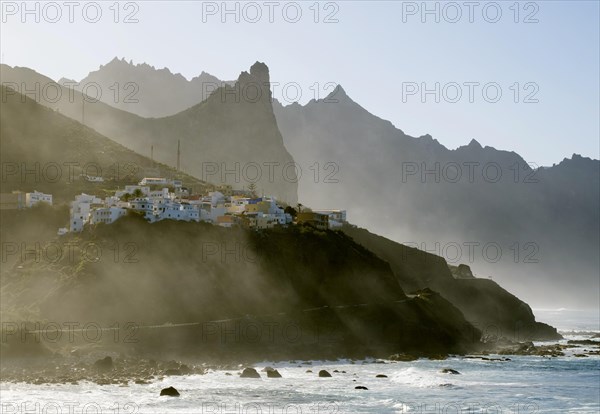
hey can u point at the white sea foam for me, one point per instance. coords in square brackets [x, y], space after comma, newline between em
[524, 384]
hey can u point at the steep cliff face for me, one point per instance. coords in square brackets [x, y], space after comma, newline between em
[332, 296]
[492, 309]
[230, 138]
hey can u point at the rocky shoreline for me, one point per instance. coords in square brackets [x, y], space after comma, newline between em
[123, 370]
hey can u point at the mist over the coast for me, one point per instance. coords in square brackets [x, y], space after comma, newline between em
[348, 207]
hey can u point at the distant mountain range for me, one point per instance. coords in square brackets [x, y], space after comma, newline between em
[144, 90]
[535, 230]
[226, 139]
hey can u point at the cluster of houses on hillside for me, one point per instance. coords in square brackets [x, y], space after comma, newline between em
[173, 202]
[163, 199]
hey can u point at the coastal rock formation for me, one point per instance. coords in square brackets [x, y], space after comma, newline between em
[483, 302]
[294, 279]
[449, 371]
[273, 373]
[249, 373]
[169, 392]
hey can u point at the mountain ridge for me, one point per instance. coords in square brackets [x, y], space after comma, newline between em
[430, 195]
[225, 132]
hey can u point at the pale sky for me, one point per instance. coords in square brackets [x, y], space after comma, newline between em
[378, 51]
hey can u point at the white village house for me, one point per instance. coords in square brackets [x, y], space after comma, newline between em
[81, 209]
[31, 199]
[337, 218]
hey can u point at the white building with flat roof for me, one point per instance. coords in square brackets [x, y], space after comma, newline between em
[337, 218]
[81, 209]
[154, 181]
[107, 215]
[31, 199]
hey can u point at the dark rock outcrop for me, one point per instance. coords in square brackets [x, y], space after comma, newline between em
[249, 373]
[449, 371]
[403, 357]
[462, 271]
[104, 364]
[272, 372]
[169, 392]
[482, 301]
[583, 342]
[324, 374]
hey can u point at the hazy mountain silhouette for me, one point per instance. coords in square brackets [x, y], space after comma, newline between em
[483, 302]
[418, 192]
[340, 271]
[412, 190]
[146, 91]
[46, 151]
[230, 138]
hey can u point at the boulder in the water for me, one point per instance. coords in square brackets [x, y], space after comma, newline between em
[360, 387]
[324, 374]
[449, 371]
[273, 373]
[169, 392]
[249, 373]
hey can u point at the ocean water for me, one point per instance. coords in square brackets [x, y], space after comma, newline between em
[525, 384]
[569, 320]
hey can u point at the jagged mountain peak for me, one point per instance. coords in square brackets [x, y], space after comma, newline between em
[260, 71]
[124, 64]
[579, 161]
[474, 144]
[339, 94]
[579, 158]
[117, 62]
[255, 84]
